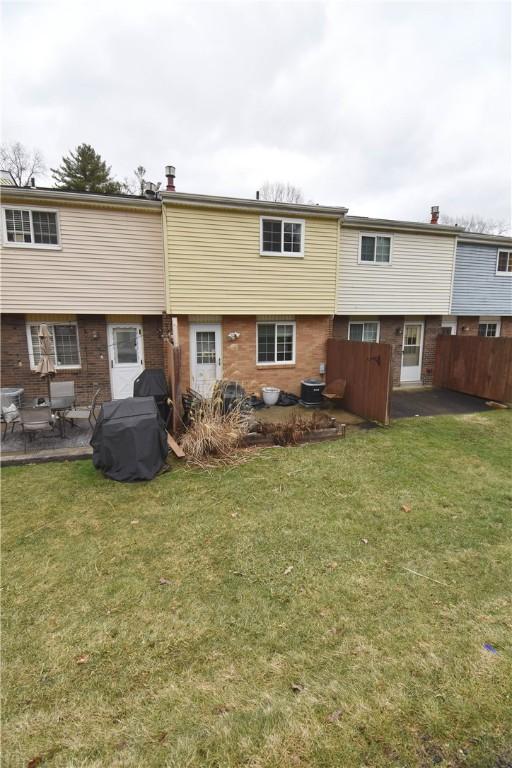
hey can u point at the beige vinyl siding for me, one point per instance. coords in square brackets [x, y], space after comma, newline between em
[109, 260]
[416, 282]
[214, 266]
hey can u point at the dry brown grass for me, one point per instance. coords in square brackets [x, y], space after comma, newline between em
[292, 431]
[215, 434]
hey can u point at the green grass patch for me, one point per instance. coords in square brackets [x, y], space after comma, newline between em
[287, 631]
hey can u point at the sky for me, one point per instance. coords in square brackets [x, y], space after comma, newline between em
[384, 107]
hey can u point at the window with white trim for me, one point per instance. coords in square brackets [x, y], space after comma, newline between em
[363, 330]
[504, 265]
[375, 249]
[275, 343]
[281, 237]
[64, 341]
[26, 226]
[489, 326]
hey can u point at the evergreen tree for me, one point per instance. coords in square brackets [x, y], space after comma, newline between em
[84, 171]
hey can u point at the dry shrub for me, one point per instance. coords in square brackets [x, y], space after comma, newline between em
[292, 431]
[214, 433]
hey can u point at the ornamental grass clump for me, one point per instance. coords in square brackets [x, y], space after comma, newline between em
[214, 431]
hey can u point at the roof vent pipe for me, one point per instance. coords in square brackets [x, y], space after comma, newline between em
[434, 211]
[257, 194]
[32, 182]
[170, 172]
[150, 190]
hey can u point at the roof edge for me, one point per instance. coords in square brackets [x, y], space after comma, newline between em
[26, 193]
[478, 237]
[369, 223]
[216, 201]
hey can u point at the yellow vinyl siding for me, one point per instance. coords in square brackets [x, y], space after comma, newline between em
[107, 261]
[214, 266]
[416, 282]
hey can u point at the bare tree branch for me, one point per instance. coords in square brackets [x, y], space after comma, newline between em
[281, 192]
[21, 162]
[478, 224]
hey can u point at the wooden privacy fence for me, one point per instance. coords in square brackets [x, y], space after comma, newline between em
[475, 365]
[172, 359]
[366, 367]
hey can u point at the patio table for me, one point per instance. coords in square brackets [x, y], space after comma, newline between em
[60, 405]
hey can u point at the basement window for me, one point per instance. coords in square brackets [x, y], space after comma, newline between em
[275, 343]
[375, 249]
[65, 347]
[281, 237]
[26, 227]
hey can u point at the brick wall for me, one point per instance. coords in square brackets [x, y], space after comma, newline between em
[239, 357]
[389, 324]
[467, 326]
[94, 371]
[506, 327]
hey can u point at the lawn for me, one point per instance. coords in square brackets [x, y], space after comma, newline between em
[264, 615]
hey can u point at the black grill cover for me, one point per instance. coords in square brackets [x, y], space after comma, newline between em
[151, 382]
[129, 440]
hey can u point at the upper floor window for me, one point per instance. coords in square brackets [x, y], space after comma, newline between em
[504, 266]
[281, 237]
[375, 249]
[64, 340]
[489, 326]
[363, 330]
[30, 227]
[276, 343]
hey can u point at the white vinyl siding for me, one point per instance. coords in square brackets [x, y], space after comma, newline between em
[417, 281]
[64, 341]
[109, 261]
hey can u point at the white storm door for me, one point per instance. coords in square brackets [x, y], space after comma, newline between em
[126, 354]
[412, 352]
[205, 357]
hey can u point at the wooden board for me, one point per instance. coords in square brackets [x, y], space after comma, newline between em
[175, 448]
[366, 368]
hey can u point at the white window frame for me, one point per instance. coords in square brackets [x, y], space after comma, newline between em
[363, 323]
[375, 235]
[501, 272]
[287, 254]
[490, 320]
[50, 325]
[294, 346]
[43, 246]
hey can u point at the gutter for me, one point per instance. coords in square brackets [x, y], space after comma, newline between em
[259, 206]
[34, 194]
[362, 222]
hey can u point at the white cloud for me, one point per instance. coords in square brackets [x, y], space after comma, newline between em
[383, 107]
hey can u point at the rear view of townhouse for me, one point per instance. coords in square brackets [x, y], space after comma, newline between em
[91, 268]
[250, 290]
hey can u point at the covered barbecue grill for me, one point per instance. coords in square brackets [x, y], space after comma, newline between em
[152, 383]
[129, 440]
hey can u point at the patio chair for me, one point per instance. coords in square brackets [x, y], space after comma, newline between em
[85, 412]
[62, 389]
[34, 421]
[335, 390]
[9, 415]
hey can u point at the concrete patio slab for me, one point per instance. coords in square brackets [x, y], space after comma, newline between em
[407, 403]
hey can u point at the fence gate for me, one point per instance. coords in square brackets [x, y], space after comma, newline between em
[366, 367]
[475, 365]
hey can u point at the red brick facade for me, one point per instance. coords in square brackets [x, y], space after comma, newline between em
[94, 371]
[391, 332]
[239, 356]
[468, 326]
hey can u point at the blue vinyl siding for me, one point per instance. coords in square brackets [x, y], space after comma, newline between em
[477, 289]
